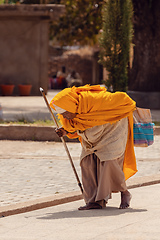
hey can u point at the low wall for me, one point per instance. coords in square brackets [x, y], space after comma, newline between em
[32, 133]
[149, 100]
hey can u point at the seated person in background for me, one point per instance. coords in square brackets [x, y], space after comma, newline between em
[74, 79]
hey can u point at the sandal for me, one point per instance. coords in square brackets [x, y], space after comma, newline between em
[89, 206]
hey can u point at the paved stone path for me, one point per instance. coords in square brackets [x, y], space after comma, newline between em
[30, 108]
[31, 170]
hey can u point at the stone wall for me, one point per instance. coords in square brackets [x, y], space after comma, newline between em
[23, 48]
[24, 44]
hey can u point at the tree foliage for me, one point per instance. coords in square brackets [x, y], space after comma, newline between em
[80, 24]
[115, 42]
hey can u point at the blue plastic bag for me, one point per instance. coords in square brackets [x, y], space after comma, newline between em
[143, 134]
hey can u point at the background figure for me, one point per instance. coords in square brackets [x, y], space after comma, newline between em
[74, 79]
[61, 78]
[53, 82]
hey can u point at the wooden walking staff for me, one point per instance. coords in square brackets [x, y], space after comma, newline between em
[62, 138]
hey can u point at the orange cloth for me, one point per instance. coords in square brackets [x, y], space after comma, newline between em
[95, 106]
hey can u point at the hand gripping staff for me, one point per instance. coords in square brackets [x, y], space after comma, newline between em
[62, 138]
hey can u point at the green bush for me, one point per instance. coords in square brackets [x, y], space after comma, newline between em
[115, 41]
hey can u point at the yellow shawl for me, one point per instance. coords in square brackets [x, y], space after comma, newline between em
[95, 106]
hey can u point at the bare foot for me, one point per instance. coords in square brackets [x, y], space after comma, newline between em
[125, 199]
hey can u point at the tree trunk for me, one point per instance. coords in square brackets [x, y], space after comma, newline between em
[145, 72]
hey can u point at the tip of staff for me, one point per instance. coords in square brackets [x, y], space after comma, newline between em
[41, 89]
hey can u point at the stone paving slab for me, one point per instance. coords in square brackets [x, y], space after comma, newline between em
[30, 170]
[139, 222]
[58, 199]
[39, 203]
[33, 170]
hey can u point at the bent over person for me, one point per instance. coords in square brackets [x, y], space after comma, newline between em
[103, 122]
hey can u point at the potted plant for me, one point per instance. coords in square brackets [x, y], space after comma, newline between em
[7, 89]
[24, 89]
